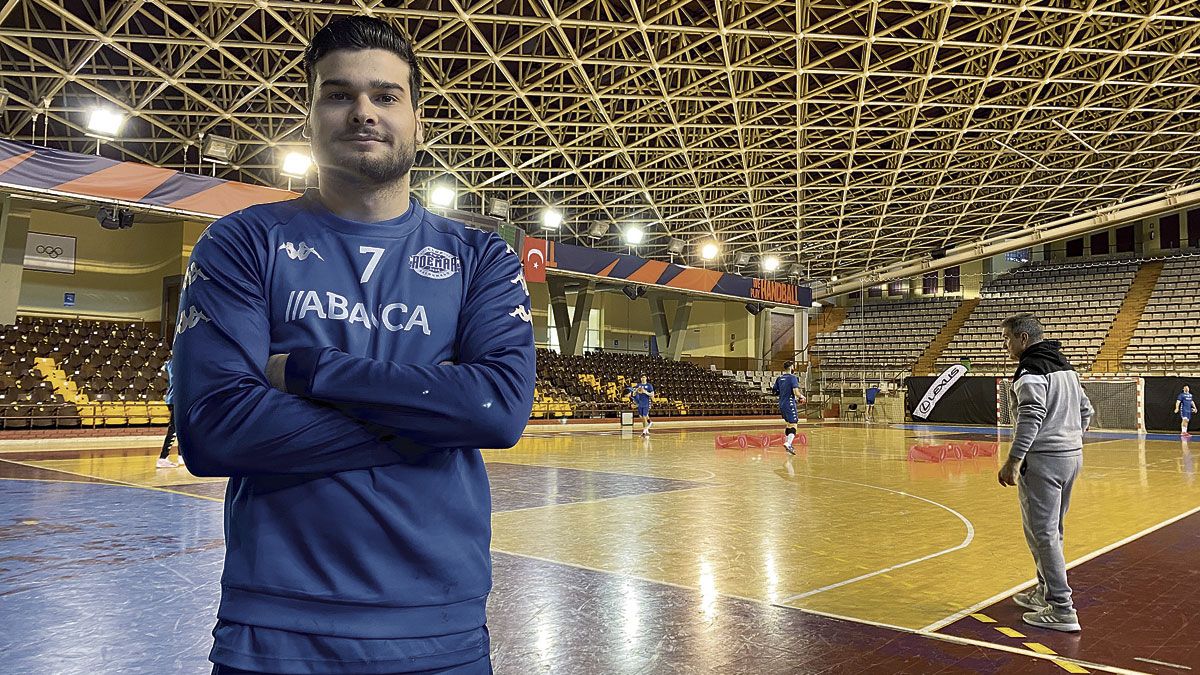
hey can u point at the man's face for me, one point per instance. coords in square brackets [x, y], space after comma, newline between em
[643, 380]
[362, 122]
[1187, 389]
[1015, 344]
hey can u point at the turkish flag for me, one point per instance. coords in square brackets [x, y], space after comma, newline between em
[534, 258]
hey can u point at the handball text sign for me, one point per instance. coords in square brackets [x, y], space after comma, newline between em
[50, 253]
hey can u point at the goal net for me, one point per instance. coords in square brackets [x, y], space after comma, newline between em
[1119, 402]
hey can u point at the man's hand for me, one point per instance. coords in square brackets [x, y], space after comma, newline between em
[1010, 470]
[276, 367]
[801, 399]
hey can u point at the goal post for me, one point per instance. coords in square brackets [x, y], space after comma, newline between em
[1119, 402]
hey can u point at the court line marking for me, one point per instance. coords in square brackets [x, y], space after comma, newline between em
[1040, 648]
[941, 637]
[496, 512]
[1162, 663]
[970, 536]
[107, 481]
[942, 623]
[711, 475]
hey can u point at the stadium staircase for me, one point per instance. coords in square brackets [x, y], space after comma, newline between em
[1108, 359]
[827, 321]
[925, 364]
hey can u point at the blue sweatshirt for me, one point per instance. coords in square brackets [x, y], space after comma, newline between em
[358, 506]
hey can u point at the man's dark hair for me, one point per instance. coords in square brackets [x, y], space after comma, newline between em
[788, 364]
[356, 33]
[1023, 323]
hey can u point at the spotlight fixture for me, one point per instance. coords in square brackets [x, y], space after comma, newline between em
[551, 219]
[498, 208]
[709, 251]
[770, 263]
[743, 259]
[104, 123]
[218, 149]
[598, 229]
[675, 245]
[442, 195]
[634, 235]
[114, 218]
[296, 164]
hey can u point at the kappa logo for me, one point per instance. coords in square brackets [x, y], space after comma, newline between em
[434, 263]
[520, 279]
[299, 252]
[189, 319]
[193, 273]
[521, 313]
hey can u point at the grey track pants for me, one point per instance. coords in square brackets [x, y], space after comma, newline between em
[1044, 489]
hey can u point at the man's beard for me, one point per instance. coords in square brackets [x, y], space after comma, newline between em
[374, 169]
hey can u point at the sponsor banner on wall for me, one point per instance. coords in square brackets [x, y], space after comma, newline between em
[938, 389]
[50, 253]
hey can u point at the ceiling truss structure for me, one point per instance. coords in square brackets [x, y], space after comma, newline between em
[840, 135]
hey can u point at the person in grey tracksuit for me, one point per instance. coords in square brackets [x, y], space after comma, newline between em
[1052, 412]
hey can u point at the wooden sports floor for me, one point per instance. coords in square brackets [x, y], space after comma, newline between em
[618, 554]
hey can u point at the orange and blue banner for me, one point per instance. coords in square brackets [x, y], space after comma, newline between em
[541, 255]
[70, 173]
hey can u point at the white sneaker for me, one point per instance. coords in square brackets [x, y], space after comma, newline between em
[646, 431]
[1031, 599]
[788, 447]
[164, 463]
[1048, 617]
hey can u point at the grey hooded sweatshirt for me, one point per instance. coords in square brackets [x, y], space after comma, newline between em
[1052, 410]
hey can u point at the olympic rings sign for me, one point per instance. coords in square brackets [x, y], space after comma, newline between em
[50, 253]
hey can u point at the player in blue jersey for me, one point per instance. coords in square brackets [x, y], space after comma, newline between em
[642, 395]
[787, 388]
[869, 397]
[1185, 405]
[342, 357]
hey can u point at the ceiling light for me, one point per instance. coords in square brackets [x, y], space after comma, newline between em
[442, 195]
[634, 235]
[218, 149]
[498, 208]
[770, 263]
[105, 123]
[743, 259]
[296, 164]
[675, 245]
[551, 219]
[709, 251]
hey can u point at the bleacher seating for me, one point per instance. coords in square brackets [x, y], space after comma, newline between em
[1164, 340]
[1076, 305]
[884, 335]
[596, 385]
[72, 372]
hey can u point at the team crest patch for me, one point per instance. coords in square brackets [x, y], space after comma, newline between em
[434, 263]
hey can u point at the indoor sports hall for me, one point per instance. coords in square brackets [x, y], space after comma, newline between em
[720, 210]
